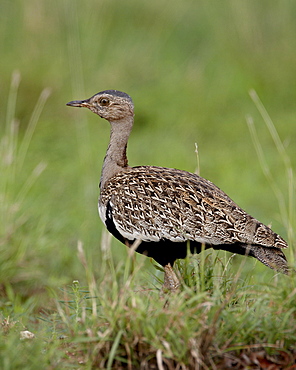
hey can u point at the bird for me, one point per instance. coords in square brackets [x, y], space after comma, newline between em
[167, 211]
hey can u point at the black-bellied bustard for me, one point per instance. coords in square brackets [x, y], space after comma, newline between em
[168, 209]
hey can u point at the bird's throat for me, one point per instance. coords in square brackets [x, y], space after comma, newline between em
[116, 159]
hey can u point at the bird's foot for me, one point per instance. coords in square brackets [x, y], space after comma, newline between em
[171, 281]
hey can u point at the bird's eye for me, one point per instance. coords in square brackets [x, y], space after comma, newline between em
[104, 101]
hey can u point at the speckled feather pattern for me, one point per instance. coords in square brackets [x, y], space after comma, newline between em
[153, 203]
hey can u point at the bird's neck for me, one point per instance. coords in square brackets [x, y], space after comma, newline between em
[116, 160]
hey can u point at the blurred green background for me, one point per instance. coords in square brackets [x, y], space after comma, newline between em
[188, 66]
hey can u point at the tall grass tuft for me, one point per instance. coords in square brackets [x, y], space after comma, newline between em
[15, 185]
[135, 327]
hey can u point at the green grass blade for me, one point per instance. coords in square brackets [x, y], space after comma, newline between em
[112, 353]
[32, 126]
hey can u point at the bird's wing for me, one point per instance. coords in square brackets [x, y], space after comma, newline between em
[154, 203]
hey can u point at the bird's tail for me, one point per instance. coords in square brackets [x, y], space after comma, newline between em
[269, 256]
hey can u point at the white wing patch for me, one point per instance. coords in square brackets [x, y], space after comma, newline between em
[102, 212]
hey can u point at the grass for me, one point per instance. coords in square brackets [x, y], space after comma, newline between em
[189, 69]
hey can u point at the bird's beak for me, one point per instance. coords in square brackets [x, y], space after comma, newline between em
[79, 103]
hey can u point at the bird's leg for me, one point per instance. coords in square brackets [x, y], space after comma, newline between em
[171, 281]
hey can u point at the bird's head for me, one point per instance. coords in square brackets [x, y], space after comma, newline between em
[112, 105]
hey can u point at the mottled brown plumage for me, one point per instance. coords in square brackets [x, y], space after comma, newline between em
[169, 209]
